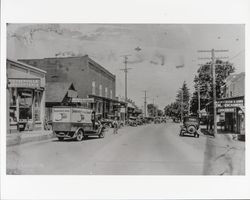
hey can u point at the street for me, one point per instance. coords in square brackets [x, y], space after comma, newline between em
[153, 149]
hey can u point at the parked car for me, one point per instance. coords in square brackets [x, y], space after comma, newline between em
[108, 122]
[139, 121]
[132, 121]
[190, 126]
[157, 120]
[163, 120]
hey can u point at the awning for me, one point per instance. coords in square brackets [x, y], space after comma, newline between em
[80, 100]
[106, 99]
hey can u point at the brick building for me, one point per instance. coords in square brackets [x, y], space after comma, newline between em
[91, 80]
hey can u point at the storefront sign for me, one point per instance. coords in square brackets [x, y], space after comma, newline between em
[79, 100]
[24, 83]
[222, 110]
[230, 103]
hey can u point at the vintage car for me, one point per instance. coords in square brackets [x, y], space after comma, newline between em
[163, 120]
[190, 126]
[108, 122]
[157, 120]
[132, 121]
[75, 123]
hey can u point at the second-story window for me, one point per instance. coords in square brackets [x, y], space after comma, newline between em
[100, 90]
[111, 94]
[106, 92]
[93, 87]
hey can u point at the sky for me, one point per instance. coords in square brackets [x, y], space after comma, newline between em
[162, 47]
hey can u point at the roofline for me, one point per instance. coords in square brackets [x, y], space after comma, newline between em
[101, 67]
[26, 65]
[89, 59]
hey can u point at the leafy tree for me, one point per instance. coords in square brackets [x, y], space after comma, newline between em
[159, 112]
[182, 99]
[151, 110]
[203, 80]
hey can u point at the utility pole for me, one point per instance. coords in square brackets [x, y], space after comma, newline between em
[153, 106]
[181, 105]
[214, 81]
[145, 103]
[199, 99]
[125, 69]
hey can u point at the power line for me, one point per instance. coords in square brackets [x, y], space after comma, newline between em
[236, 55]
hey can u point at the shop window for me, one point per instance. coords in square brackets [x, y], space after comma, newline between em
[106, 92]
[13, 105]
[37, 105]
[25, 103]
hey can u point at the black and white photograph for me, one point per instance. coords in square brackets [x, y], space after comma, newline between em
[126, 99]
[120, 100]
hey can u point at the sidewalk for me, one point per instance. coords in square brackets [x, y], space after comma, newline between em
[28, 136]
[224, 155]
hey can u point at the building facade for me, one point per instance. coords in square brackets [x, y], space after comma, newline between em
[90, 79]
[25, 96]
[231, 107]
[58, 94]
[234, 86]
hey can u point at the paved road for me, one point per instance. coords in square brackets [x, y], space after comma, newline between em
[154, 149]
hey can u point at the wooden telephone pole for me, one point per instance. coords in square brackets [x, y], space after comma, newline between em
[214, 80]
[125, 69]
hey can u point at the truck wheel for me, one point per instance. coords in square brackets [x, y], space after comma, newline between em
[102, 134]
[79, 135]
[60, 138]
[181, 133]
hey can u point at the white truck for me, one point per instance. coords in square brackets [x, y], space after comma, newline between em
[75, 123]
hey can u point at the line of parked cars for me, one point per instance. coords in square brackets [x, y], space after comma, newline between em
[159, 120]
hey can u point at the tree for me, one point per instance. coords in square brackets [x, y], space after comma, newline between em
[159, 112]
[203, 80]
[182, 99]
[151, 110]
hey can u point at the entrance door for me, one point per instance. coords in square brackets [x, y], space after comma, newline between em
[229, 122]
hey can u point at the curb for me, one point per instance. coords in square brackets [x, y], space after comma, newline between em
[21, 140]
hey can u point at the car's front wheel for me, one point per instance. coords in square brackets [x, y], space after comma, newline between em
[79, 135]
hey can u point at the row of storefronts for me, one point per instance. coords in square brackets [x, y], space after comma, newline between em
[33, 91]
[231, 107]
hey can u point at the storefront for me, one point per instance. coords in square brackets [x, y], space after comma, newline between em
[231, 111]
[230, 114]
[25, 96]
[107, 107]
